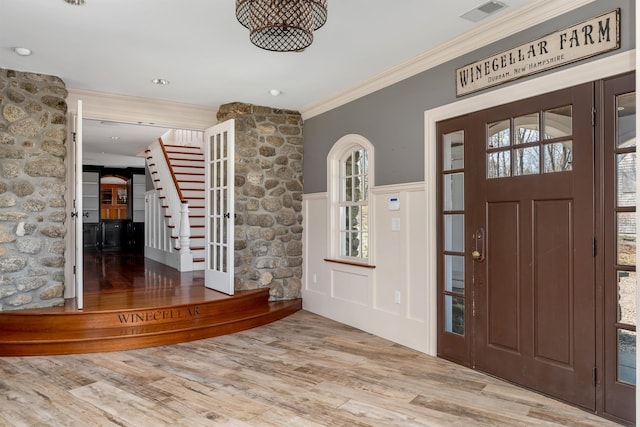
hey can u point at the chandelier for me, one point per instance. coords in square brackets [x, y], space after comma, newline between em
[281, 25]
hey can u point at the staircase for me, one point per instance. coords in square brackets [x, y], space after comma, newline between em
[185, 165]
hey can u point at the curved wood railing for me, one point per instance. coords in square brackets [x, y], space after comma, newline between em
[173, 175]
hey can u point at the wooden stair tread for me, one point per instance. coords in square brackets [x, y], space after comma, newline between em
[189, 147]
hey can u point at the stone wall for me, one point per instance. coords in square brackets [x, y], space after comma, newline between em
[268, 198]
[33, 129]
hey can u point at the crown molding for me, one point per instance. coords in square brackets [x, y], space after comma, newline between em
[136, 110]
[500, 28]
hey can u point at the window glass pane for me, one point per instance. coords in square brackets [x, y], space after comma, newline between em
[558, 122]
[626, 179]
[527, 128]
[499, 134]
[499, 164]
[626, 238]
[627, 297]
[344, 244]
[626, 120]
[454, 273]
[347, 191]
[627, 356]
[558, 156]
[348, 170]
[453, 193]
[453, 151]
[364, 253]
[358, 189]
[354, 244]
[454, 233]
[364, 218]
[454, 314]
[526, 161]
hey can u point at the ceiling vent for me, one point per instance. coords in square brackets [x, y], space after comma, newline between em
[484, 10]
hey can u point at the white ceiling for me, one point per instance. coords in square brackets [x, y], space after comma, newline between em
[119, 46]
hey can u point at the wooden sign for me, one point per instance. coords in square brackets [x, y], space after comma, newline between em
[590, 38]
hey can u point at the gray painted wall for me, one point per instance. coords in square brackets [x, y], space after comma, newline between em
[393, 118]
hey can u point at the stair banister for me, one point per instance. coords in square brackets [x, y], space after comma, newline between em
[185, 229]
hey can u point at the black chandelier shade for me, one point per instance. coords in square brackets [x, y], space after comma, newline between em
[281, 25]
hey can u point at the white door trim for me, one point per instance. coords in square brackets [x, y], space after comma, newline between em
[590, 71]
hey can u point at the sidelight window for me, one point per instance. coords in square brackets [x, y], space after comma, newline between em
[625, 215]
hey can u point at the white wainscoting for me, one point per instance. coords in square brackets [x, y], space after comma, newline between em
[391, 300]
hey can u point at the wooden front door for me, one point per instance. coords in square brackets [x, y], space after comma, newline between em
[517, 277]
[537, 244]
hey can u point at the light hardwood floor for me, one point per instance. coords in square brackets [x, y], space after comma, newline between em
[303, 370]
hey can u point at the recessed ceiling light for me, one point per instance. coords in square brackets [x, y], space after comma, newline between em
[160, 81]
[275, 92]
[22, 51]
[115, 138]
[75, 2]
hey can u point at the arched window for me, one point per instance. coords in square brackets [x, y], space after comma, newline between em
[350, 175]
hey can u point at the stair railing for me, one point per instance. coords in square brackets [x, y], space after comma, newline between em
[178, 206]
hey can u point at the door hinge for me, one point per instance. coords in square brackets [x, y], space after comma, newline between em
[74, 136]
[593, 116]
[74, 269]
[594, 376]
[594, 247]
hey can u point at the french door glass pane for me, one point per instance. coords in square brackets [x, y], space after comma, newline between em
[558, 157]
[626, 229]
[627, 356]
[626, 120]
[453, 151]
[627, 297]
[558, 122]
[527, 128]
[453, 193]
[454, 314]
[454, 273]
[454, 233]
[626, 179]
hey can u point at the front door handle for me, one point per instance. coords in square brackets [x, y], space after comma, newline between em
[479, 245]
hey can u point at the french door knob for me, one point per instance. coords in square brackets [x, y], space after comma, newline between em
[476, 255]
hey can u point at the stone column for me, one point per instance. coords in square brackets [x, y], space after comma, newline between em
[33, 129]
[268, 198]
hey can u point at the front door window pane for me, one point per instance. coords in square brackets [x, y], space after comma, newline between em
[453, 151]
[626, 179]
[454, 273]
[499, 164]
[453, 193]
[626, 120]
[558, 122]
[454, 314]
[527, 161]
[499, 134]
[626, 229]
[454, 233]
[627, 356]
[527, 129]
[627, 297]
[558, 157]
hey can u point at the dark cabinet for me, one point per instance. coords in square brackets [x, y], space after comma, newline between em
[114, 236]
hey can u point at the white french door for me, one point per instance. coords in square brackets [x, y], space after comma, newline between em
[219, 142]
[77, 206]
